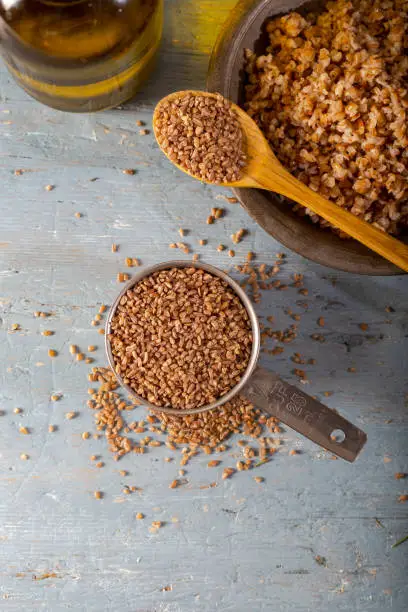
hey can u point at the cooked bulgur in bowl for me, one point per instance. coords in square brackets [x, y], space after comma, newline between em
[330, 92]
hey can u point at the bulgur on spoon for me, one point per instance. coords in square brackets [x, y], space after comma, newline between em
[215, 141]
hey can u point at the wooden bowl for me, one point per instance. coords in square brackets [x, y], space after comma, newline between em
[245, 29]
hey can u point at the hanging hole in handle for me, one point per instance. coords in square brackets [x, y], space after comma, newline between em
[337, 435]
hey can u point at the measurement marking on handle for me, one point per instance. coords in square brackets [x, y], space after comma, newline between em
[284, 399]
[304, 414]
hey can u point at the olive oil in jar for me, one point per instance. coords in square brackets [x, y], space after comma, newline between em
[80, 55]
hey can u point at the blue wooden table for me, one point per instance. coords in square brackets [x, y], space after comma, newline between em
[317, 535]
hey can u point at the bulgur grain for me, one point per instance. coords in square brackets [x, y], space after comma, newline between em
[151, 350]
[202, 135]
[330, 95]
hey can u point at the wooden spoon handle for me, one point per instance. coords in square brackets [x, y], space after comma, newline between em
[276, 178]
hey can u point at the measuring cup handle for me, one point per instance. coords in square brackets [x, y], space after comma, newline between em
[304, 414]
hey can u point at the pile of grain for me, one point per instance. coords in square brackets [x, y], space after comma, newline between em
[181, 338]
[331, 96]
[204, 430]
[202, 135]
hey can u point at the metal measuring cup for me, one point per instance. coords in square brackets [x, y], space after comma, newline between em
[265, 389]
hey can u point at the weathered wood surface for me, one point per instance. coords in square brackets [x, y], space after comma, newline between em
[240, 546]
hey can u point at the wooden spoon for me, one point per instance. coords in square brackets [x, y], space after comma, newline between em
[264, 171]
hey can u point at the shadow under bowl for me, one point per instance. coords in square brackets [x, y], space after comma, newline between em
[245, 29]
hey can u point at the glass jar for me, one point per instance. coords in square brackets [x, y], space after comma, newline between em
[80, 55]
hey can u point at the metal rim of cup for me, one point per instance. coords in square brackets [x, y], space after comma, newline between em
[256, 334]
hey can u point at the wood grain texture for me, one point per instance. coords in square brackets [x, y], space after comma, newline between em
[237, 547]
